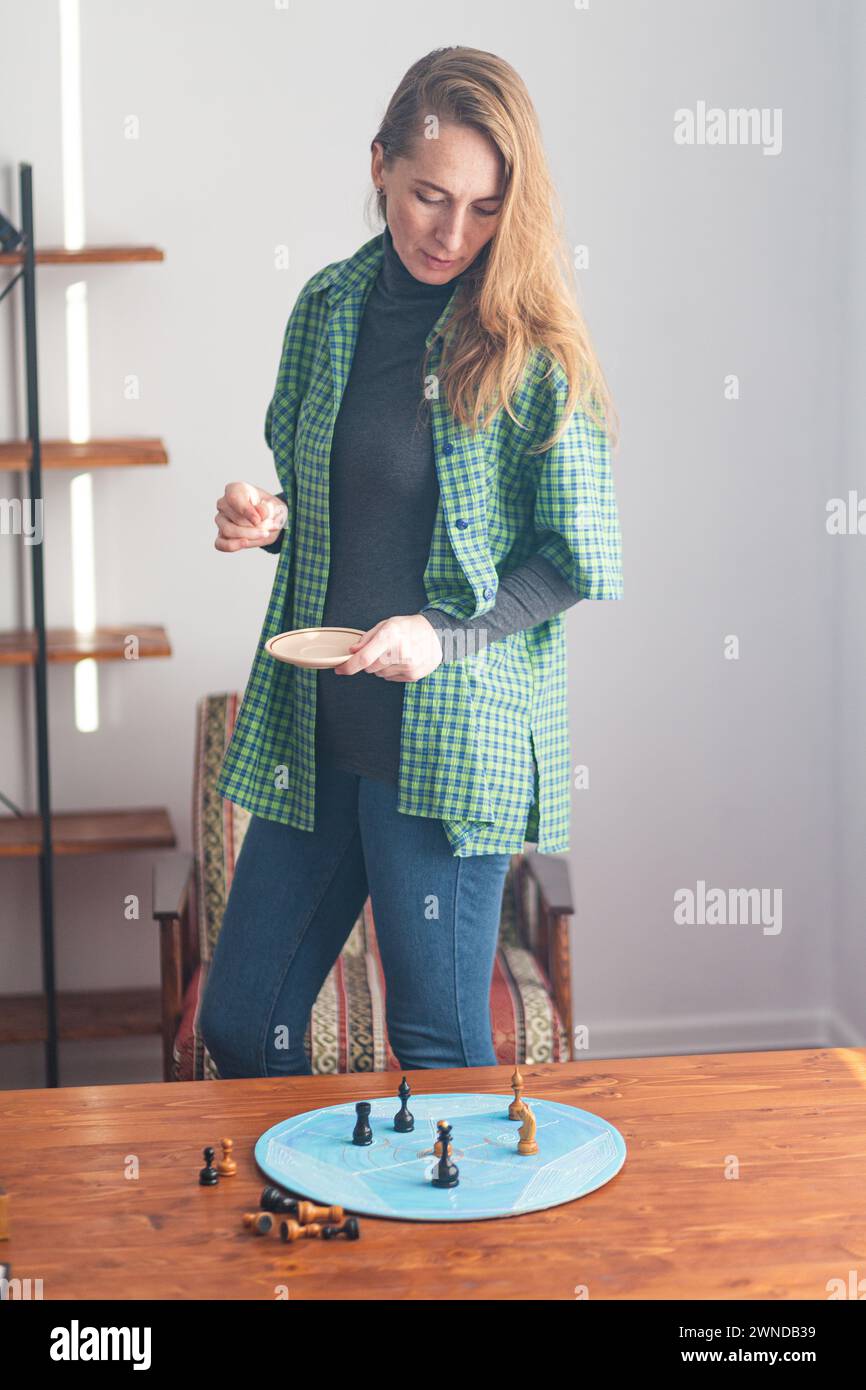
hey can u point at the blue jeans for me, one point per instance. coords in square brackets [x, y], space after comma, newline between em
[296, 895]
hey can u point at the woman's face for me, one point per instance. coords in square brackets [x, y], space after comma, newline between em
[443, 202]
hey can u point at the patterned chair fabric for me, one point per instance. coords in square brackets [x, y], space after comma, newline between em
[347, 1029]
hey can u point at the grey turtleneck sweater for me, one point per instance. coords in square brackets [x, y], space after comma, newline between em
[384, 493]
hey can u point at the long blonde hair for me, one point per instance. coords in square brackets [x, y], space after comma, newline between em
[521, 294]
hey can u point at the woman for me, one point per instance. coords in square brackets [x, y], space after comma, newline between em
[440, 428]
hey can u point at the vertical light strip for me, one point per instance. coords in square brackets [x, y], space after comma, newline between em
[70, 128]
[77, 363]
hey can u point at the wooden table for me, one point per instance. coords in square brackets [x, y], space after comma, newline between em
[670, 1225]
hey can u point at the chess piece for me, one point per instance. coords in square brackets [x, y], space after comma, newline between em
[293, 1230]
[437, 1147]
[227, 1166]
[515, 1109]
[447, 1173]
[526, 1143]
[307, 1213]
[362, 1133]
[404, 1120]
[351, 1229]
[272, 1199]
[259, 1221]
[208, 1175]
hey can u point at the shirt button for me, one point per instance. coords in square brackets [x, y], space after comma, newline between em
[449, 448]
[462, 523]
[488, 593]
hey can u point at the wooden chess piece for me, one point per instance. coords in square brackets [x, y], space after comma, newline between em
[362, 1134]
[447, 1173]
[293, 1230]
[272, 1199]
[515, 1109]
[208, 1175]
[437, 1147]
[526, 1143]
[259, 1221]
[351, 1229]
[404, 1120]
[307, 1212]
[227, 1166]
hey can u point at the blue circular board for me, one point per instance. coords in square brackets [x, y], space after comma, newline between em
[313, 1155]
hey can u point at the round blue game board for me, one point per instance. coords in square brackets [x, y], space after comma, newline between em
[313, 1155]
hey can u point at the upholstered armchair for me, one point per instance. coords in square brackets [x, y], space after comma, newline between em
[530, 998]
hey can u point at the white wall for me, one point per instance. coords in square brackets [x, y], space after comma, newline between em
[704, 261]
[848, 615]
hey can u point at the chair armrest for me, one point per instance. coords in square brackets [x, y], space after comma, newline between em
[172, 885]
[173, 893]
[553, 879]
[545, 908]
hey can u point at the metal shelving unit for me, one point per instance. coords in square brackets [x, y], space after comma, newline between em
[73, 832]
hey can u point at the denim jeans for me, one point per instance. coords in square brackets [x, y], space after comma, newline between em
[294, 899]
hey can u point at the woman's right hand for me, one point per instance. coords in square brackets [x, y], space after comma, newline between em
[247, 516]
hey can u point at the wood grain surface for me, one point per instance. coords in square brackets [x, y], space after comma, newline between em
[670, 1225]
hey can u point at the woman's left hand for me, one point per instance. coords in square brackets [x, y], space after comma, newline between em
[397, 649]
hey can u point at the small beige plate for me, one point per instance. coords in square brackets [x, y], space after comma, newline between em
[314, 648]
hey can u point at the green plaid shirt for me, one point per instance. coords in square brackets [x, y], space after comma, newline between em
[484, 738]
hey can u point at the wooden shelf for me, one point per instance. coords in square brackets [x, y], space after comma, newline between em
[86, 255]
[65, 644]
[88, 832]
[116, 1013]
[93, 453]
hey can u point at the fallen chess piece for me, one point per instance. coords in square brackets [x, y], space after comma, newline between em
[272, 1199]
[351, 1229]
[293, 1230]
[308, 1212]
[259, 1221]
[526, 1143]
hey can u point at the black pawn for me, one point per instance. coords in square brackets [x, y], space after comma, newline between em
[447, 1173]
[362, 1133]
[208, 1175]
[351, 1229]
[404, 1120]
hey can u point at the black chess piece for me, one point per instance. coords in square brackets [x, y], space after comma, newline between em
[404, 1120]
[208, 1176]
[447, 1173]
[362, 1133]
[351, 1229]
[272, 1199]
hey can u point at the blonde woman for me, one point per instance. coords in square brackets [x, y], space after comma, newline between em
[441, 430]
